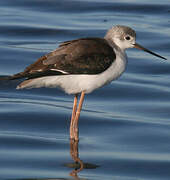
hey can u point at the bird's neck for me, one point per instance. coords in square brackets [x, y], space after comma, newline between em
[114, 45]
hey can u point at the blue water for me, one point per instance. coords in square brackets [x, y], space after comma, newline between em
[124, 126]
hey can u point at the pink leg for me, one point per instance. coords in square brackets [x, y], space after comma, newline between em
[73, 116]
[75, 122]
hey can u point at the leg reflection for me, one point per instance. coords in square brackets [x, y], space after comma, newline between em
[78, 164]
[75, 156]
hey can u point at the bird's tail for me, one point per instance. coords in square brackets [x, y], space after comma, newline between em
[4, 78]
[13, 77]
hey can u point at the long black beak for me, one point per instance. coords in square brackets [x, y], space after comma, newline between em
[146, 50]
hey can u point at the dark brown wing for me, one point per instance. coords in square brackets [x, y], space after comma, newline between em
[81, 56]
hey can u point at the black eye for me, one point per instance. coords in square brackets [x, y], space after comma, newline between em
[127, 38]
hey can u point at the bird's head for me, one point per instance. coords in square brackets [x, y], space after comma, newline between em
[124, 37]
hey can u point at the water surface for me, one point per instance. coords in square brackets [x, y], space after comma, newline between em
[124, 127]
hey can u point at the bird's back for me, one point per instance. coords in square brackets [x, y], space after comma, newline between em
[81, 56]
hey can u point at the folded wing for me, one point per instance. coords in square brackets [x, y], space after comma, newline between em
[81, 56]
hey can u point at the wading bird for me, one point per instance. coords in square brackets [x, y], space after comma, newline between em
[80, 66]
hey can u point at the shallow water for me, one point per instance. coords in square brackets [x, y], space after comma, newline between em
[124, 126]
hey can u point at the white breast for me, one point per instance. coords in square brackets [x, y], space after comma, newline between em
[73, 84]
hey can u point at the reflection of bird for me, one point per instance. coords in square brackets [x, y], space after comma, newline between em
[81, 66]
[78, 164]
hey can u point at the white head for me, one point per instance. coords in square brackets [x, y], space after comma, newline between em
[124, 37]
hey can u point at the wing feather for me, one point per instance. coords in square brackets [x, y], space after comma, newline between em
[81, 56]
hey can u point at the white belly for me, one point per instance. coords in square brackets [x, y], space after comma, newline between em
[73, 84]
